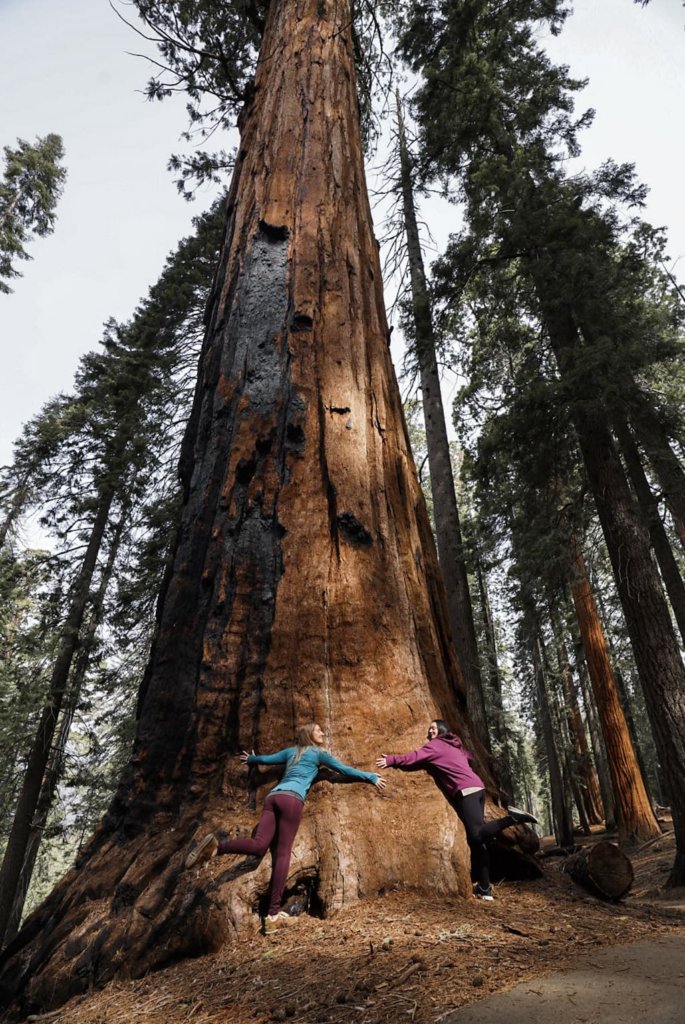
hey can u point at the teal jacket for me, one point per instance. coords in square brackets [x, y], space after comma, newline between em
[299, 776]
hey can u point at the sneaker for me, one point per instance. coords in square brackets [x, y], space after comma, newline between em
[484, 894]
[272, 922]
[205, 850]
[521, 817]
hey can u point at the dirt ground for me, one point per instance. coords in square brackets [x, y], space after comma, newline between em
[399, 957]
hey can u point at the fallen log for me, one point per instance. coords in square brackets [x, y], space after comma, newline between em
[602, 869]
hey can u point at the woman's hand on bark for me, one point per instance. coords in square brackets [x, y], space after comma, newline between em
[381, 762]
[380, 784]
[244, 756]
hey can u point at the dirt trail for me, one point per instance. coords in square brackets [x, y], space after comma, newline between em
[644, 981]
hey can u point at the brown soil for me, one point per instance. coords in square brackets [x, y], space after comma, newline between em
[398, 957]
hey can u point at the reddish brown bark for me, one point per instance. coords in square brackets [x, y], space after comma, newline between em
[634, 814]
[305, 582]
[584, 769]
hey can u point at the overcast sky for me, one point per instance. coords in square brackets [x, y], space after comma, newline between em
[64, 68]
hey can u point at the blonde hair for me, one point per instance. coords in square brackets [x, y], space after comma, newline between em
[304, 739]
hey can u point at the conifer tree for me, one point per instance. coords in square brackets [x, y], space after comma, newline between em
[496, 112]
[29, 192]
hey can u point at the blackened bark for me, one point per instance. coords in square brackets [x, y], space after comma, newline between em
[445, 509]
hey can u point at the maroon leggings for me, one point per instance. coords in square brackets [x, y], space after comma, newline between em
[277, 828]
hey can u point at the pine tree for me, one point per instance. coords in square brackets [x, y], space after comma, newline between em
[29, 192]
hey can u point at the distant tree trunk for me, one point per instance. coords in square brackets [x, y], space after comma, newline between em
[561, 812]
[670, 573]
[584, 768]
[55, 766]
[15, 852]
[445, 509]
[305, 583]
[634, 814]
[655, 648]
[596, 739]
[495, 680]
[667, 468]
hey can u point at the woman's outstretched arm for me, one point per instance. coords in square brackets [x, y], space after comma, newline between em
[280, 757]
[415, 759]
[351, 773]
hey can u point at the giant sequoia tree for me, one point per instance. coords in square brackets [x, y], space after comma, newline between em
[304, 580]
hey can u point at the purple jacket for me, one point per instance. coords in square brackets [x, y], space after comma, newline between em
[445, 760]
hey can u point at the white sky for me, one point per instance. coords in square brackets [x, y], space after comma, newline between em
[64, 68]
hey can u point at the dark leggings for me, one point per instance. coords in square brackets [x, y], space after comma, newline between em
[471, 811]
[277, 828]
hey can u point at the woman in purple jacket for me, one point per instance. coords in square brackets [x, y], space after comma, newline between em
[447, 762]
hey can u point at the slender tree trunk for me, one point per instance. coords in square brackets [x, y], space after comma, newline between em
[597, 743]
[445, 509]
[15, 852]
[667, 467]
[495, 681]
[561, 812]
[670, 573]
[584, 768]
[55, 766]
[305, 583]
[634, 813]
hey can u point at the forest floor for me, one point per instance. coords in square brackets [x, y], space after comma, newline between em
[399, 957]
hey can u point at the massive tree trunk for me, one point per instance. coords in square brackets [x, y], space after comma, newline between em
[305, 581]
[634, 814]
[445, 509]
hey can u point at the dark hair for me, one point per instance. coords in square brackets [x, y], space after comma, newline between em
[442, 726]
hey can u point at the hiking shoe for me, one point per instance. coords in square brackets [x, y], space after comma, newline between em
[521, 817]
[484, 894]
[205, 850]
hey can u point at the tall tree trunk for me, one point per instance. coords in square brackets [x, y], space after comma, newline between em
[634, 813]
[584, 768]
[596, 739]
[667, 467]
[495, 680]
[55, 766]
[445, 509]
[561, 812]
[670, 573]
[15, 851]
[305, 583]
[655, 648]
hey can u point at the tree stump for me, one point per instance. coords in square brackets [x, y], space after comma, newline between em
[603, 869]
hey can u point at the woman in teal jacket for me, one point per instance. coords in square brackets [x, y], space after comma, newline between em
[282, 811]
